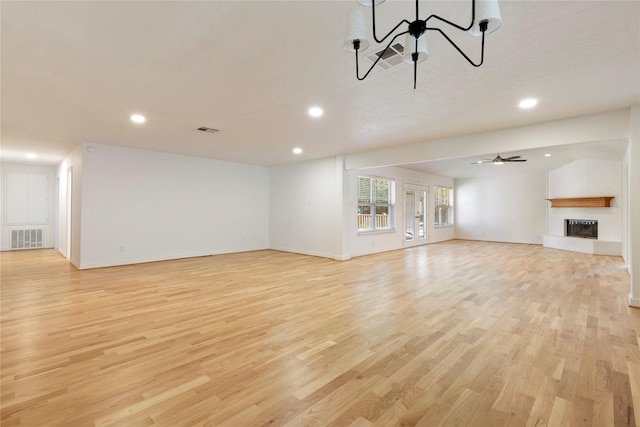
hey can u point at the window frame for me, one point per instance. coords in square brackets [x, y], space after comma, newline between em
[437, 207]
[390, 204]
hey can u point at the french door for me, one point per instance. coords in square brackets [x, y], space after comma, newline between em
[415, 213]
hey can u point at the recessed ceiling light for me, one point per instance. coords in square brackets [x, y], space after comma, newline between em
[137, 118]
[315, 111]
[31, 156]
[528, 103]
[297, 150]
[547, 155]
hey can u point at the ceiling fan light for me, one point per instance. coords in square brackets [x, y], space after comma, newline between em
[410, 48]
[486, 10]
[367, 3]
[356, 30]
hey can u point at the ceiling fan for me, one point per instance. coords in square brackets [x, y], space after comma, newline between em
[498, 160]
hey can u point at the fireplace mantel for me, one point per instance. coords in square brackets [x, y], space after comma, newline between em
[582, 202]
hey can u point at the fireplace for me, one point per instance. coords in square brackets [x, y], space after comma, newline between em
[585, 228]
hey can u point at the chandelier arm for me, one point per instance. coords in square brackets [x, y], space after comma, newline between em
[473, 18]
[378, 59]
[460, 50]
[373, 14]
[404, 21]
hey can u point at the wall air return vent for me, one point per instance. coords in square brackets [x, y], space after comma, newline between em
[390, 58]
[26, 239]
[206, 129]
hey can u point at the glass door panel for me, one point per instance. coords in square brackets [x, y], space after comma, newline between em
[415, 213]
[409, 209]
[421, 215]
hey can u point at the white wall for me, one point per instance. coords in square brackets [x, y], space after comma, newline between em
[48, 225]
[367, 243]
[626, 161]
[61, 203]
[501, 208]
[305, 208]
[314, 209]
[140, 206]
[587, 178]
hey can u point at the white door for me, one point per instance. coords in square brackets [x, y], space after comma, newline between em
[415, 214]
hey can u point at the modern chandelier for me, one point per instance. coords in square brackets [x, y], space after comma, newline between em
[485, 19]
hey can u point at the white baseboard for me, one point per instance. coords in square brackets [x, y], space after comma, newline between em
[129, 261]
[312, 253]
[634, 302]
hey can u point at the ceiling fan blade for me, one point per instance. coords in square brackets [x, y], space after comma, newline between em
[515, 160]
[512, 157]
[481, 161]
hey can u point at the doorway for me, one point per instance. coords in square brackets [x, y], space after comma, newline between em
[415, 214]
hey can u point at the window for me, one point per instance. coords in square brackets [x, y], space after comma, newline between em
[26, 198]
[444, 206]
[376, 198]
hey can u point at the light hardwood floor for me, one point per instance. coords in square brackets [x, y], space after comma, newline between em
[456, 333]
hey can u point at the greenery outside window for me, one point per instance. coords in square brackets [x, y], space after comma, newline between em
[376, 200]
[443, 215]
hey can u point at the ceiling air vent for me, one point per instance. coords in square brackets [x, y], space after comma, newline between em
[206, 129]
[390, 58]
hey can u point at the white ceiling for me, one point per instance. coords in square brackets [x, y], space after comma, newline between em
[537, 162]
[73, 72]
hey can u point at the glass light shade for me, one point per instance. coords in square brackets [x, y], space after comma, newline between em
[486, 10]
[356, 30]
[367, 3]
[410, 47]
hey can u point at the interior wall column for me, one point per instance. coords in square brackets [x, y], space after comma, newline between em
[342, 252]
[634, 206]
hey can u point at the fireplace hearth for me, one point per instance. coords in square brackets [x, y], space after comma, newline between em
[585, 228]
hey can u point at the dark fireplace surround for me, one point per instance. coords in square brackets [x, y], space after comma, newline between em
[585, 228]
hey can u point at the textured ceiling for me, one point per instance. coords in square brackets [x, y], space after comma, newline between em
[537, 160]
[73, 72]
